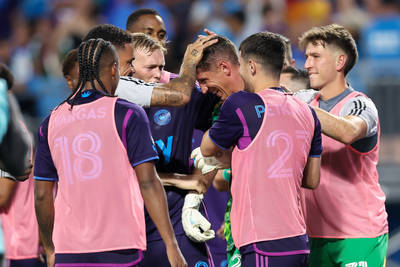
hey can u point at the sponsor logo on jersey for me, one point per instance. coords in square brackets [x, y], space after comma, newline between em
[162, 117]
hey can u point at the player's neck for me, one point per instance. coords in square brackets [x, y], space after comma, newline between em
[264, 83]
[334, 88]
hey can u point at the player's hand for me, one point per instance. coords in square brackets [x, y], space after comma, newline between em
[194, 51]
[196, 227]
[206, 164]
[220, 232]
[208, 32]
[175, 256]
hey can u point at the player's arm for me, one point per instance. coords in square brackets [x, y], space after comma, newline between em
[178, 91]
[156, 204]
[7, 189]
[44, 207]
[196, 181]
[347, 130]
[221, 180]
[311, 173]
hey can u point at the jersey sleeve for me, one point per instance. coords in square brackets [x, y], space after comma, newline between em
[44, 165]
[135, 133]
[364, 108]
[228, 128]
[316, 143]
[135, 91]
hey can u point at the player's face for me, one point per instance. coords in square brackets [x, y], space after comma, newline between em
[213, 81]
[73, 77]
[125, 55]
[320, 65]
[151, 25]
[148, 65]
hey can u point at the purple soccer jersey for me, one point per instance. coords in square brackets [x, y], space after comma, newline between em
[133, 129]
[131, 123]
[244, 110]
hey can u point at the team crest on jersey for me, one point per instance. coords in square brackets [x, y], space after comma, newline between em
[162, 117]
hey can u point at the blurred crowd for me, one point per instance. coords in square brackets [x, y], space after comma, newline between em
[35, 35]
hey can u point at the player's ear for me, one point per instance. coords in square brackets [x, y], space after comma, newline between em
[225, 67]
[252, 66]
[341, 60]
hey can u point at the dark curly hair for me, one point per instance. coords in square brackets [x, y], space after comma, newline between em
[117, 36]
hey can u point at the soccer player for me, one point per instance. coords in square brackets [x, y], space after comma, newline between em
[218, 72]
[18, 221]
[172, 130]
[346, 216]
[98, 213]
[277, 143]
[70, 68]
[147, 21]
[294, 79]
[175, 93]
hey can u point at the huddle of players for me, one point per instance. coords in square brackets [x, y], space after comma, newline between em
[277, 144]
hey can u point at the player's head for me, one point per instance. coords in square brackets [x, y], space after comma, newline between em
[289, 61]
[294, 79]
[70, 68]
[98, 67]
[330, 51]
[149, 58]
[121, 39]
[6, 74]
[147, 21]
[218, 70]
[261, 56]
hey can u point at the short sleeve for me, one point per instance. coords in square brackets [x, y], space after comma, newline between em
[364, 108]
[136, 134]
[316, 143]
[228, 128]
[135, 91]
[44, 165]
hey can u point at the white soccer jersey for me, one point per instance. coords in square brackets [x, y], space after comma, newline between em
[135, 91]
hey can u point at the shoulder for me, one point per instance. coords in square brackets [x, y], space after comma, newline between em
[130, 81]
[241, 98]
[125, 107]
[357, 105]
[306, 95]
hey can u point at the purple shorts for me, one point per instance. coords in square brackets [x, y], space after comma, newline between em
[196, 254]
[26, 263]
[121, 258]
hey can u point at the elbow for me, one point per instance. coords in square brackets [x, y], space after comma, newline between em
[311, 184]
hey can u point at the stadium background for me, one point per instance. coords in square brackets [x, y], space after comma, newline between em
[36, 34]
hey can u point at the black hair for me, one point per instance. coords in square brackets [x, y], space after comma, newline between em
[117, 36]
[224, 48]
[298, 74]
[90, 59]
[134, 17]
[265, 48]
[6, 74]
[69, 62]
